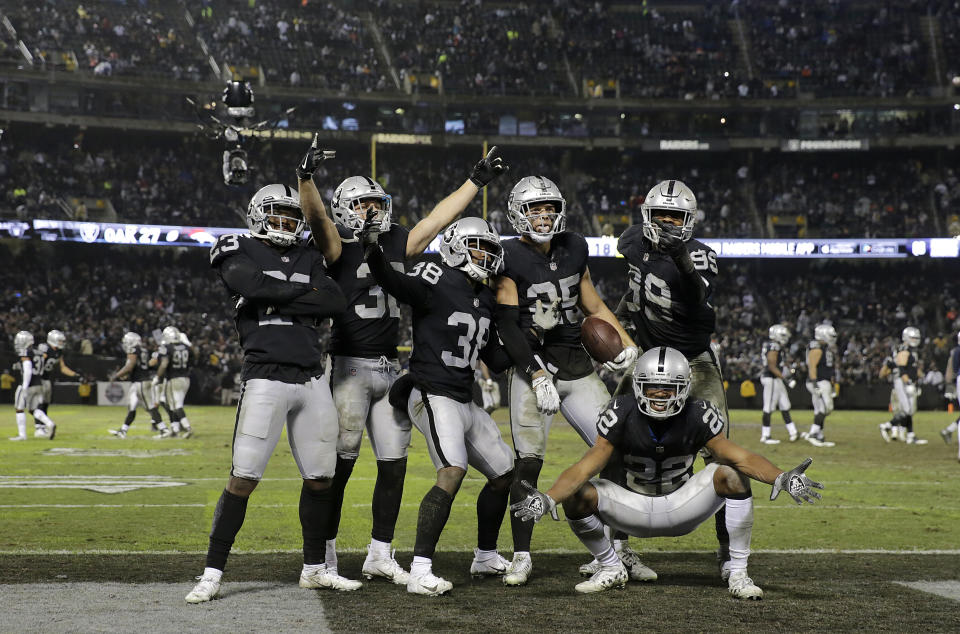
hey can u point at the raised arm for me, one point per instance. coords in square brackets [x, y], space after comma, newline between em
[448, 209]
[322, 227]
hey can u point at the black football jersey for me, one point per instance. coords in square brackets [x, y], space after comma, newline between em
[370, 326]
[451, 331]
[141, 369]
[658, 301]
[39, 357]
[658, 455]
[828, 360]
[51, 361]
[765, 350]
[178, 359]
[910, 369]
[548, 277]
[285, 348]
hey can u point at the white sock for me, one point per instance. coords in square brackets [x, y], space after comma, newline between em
[378, 547]
[21, 423]
[740, 527]
[421, 566]
[331, 556]
[815, 429]
[175, 427]
[43, 418]
[185, 423]
[764, 433]
[791, 429]
[124, 428]
[952, 427]
[620, 544]
[309, 569]
[213, 572]
[590, 531]
[485, 555]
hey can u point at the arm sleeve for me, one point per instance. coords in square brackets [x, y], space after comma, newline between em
[695, 285]
[245, 278]
[324, 300]
[516, 344]
[27, 372]
[494, 354]
[407, 289]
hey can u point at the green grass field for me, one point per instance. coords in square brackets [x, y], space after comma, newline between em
[95, 508]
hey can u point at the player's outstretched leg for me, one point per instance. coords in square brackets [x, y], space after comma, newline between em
[227, 520]
[387, 495]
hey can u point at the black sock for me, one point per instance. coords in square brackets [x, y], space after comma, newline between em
[434, 511]
[765, 419]
[315, 510]
[155, 416]
[908, 423]
[227, 520]
[170, 412]
[130, 416]
[387, 495]
[180, 414]
[526, 469]
[786, 416]
[818, 419]
[44, 407]
[491, 505]
[340, 477]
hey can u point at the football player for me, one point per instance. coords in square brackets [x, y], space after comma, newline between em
[658, 430]
[281, 290]
[821, 370]
[29, 394]
[173, 375]
[364, 343]
[546, 271]
[453, 327]
[138, 369]
[36, 401]
[952, 392]
[56, 340]
[774, 388]
[668, 299]
[906, 380]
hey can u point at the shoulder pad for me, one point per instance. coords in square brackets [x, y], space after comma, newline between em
[227, 245]
[632, 236]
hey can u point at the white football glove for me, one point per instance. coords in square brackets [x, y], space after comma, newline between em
[910, 389]
[546, 316]
[624, 360]
[792, 383]
[548, 399]
[155, 381]
[800, 487]
[535, 505]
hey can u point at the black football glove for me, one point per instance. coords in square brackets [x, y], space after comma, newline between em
[671, 241]
[312, 159]
[535, 505]
[488, 168]
[800, 487]
[370, 232]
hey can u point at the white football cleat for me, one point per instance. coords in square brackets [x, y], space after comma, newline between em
[40, 432]
[119, 433]
[165, 433]
[742, 587]
[186, 433]
[725, 570]
[384, 567]
[207, 589]
[947, 435]
[817, 441]
[428, 584]
[635, 568]
[885, 429]
[770, 441]
[916, 441]
[327, 578]
[590, 568]
[519, 570]
[793, 437]
[493, 567]
[51, 430]
[604, 579]
[17, 438]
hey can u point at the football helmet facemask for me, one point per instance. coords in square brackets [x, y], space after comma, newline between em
[348, 200]
[170, 335]
[56, 339]
[130, 342]
[779, 333]
[268, 210]
[674, 197]
[22, 342]
[911, 336]
[661, 367]
[530, 192]
[467, 236]
[825, 333]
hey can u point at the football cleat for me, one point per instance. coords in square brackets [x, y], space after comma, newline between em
[631, 560]
[384, 566]
[947, 435]
[186, 433]
[770, 441]
[327, 578]
[39, 431]
[428, 584]
[916, 441]
[492, 567]
[604, 579]
[589, 569]
[51, 430]
[519, 570]
[793, 437]
[725, 570]
[119, 433]
[742, 587]
[165, 433]
[817, 441]
[207, 589]
[17, 438]
[885, 431]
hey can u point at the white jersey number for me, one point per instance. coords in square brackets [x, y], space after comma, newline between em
[470, 343]
[382, 302]
[568, 295]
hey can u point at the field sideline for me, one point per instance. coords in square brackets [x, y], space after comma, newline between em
[89, 508]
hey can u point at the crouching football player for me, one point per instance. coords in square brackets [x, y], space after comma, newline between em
[657, 432]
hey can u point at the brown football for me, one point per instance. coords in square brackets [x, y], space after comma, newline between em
[600, 339]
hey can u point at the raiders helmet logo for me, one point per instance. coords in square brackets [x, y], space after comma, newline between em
[284, 258]
[476, 302]
[553, 266]
[646, 257]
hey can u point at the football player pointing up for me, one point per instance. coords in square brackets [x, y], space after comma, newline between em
[546, 268]
[364, 344]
